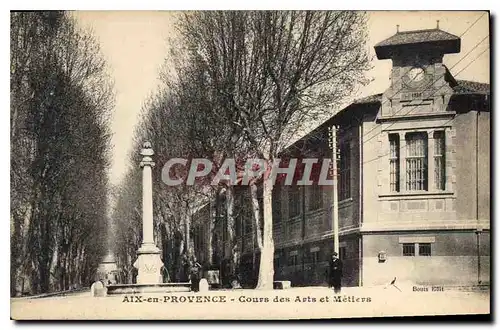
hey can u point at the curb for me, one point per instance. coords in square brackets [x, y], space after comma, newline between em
[52, 294]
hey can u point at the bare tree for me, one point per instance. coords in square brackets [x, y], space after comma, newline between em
[60, 104]
[175, 131]
[269, 73]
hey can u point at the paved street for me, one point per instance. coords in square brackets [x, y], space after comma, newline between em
[295, 303]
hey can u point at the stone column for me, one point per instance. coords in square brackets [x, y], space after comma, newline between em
[147, 196]
[148, 261]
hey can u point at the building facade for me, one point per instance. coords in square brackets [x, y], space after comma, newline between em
[414, 181]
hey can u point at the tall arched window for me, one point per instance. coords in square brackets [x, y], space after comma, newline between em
[416, 161]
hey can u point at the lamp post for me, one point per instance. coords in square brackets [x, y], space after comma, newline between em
[148, 261]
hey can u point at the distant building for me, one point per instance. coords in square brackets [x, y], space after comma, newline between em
[107, 270]
[414, 181]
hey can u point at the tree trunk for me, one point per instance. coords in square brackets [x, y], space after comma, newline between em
[256, 231]
[233, 265]
[62, 270]
[266, 269]
[166, 252]
[181, 276]
[256, 214]
[210, 235]
[45, 256]
[66, 271]
[130, 270]
[15, 249]
[187, 235]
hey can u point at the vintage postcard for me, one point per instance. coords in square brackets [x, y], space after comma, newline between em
[249, 164]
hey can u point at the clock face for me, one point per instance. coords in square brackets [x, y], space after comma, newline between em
[416, 74]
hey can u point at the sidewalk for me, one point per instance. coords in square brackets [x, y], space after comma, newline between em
[403, 287]
[293, 303]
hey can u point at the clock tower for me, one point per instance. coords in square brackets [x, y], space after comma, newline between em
[421, 84]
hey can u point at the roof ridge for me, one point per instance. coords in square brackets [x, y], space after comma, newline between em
[425, 30]
[366, 99]
[417, 36]
[472, 81]
[421, 30]
[471, 87]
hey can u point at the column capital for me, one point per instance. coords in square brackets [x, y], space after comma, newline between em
[147, 152]
[147, 161]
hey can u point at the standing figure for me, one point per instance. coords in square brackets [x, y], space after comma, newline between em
[335, 273]
[185, 266]
[195, 269]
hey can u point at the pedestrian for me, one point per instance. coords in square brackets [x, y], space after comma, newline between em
[335, 273]
[195, 269]
[186, 265]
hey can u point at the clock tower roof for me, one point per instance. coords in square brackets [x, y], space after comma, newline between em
[437, 39]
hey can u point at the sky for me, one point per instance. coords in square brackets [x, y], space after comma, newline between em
[135, 44]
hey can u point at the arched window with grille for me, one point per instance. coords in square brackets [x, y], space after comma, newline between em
[394, 162]
[439, 160]
[416, 161]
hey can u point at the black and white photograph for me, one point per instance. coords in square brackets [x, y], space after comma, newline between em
[249, 164]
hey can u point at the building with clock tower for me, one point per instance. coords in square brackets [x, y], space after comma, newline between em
[413, 183]
[420, 83]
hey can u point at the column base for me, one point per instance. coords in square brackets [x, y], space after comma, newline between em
[149, 264]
